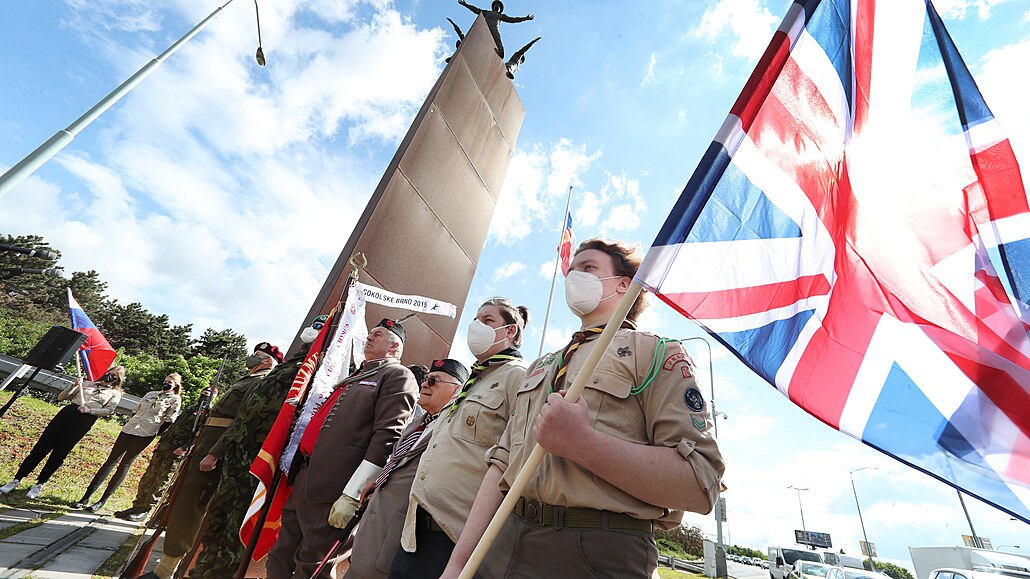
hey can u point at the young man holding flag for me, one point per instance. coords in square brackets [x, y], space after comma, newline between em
[588, 507]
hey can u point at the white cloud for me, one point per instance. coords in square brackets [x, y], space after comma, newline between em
[621, 218]
[162, 190]
[588, 211]
[536, 184]
[508, 270]
[649, 75]
[546, 270]
[959, 9]
[748, 21]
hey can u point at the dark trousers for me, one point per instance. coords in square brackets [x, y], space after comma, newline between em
[432, 550]
[126, 448]
[58, 439]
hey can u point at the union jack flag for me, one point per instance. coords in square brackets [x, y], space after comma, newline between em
[858, 234]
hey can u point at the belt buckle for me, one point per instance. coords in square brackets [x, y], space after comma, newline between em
[533, 513]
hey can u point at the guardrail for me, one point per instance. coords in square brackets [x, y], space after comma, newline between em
[54, 382]
[681, 564]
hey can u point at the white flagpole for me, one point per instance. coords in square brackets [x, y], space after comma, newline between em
[554, 276]
[62, 138]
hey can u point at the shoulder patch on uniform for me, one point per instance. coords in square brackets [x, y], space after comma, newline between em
[624, 351]
[536, 372]
[693, 399]
[546, 360]
[699, 422]
[673, 360]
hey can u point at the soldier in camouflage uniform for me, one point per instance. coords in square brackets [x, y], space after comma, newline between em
[223, 550]
[200, 477]
[159, 472]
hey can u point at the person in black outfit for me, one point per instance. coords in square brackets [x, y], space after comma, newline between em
[494, 15]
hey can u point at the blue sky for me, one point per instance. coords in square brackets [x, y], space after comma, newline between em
[220, 192]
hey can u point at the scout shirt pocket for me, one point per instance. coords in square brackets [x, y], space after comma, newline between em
[523, 414]
[481, 423]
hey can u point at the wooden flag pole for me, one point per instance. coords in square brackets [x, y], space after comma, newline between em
[529, 468]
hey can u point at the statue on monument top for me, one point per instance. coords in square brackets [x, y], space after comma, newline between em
[517, 59]
[494, 15]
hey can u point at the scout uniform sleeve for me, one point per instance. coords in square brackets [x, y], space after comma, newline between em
[678, 416]
[173, 410]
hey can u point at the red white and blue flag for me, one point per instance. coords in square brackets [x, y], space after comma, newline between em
[566, 247]
[859, 235]
[96, 354]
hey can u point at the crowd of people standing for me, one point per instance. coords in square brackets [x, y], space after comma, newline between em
[420, 458]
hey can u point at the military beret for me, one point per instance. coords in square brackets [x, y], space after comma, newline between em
[452, 367]
[319, 321]
[270, 350]
[394, 326]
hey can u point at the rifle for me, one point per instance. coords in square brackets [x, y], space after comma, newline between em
[345, 534]
[138, 561]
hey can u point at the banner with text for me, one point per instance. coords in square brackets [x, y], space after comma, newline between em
[414, 303]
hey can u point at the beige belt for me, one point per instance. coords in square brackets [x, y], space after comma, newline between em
[537, 513]
[218, 422]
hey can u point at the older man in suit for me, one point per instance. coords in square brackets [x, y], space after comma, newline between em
[379, 534]
[344, 448]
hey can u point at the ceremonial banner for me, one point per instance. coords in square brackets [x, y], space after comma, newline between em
[858, 234]
[96, 353]
[346, 343]
[414, 303]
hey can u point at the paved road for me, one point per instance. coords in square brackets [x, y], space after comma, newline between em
[740, 571]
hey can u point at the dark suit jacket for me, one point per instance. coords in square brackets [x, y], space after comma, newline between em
[364, 424]
[379, 533]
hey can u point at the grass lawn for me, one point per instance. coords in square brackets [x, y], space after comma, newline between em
[19, 430]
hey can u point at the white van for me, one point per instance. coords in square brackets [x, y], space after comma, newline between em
[782, 559]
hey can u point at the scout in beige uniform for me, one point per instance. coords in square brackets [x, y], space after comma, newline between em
[588, 511]
[378, 536]
[450, 471]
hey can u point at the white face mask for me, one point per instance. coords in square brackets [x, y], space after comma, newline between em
[480, 337]
[308, 335]
[584, 291]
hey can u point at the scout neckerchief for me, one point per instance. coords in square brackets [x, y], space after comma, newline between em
[403, 446]
[502, 357]
[578, 339]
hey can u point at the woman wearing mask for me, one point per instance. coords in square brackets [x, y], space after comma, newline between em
[452, 468]
[93, 400]
[152, 414]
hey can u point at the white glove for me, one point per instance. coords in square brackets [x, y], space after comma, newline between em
[343, 511]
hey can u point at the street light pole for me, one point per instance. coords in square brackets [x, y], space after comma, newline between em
[720, 550]
[803, 528]
[27, 166]
[869, 552]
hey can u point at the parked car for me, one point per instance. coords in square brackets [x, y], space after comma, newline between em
[764, 564]
[842, 572]
[809, 570]
[968, 574]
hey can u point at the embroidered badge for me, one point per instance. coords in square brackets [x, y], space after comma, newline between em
[546, 360]
[536, 372]
[367, 383]
[686, 371]
[495, 385]
[693, 399]
[624, 351]
[699, 423]
[438, 364]
[673, 360]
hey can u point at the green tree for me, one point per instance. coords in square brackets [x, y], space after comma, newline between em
[226, 343]
[892, 570]
[17, 334]
[688, 538]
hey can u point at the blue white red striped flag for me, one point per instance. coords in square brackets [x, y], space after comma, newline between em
[568, 242]
[859, 235]
[96, 353]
